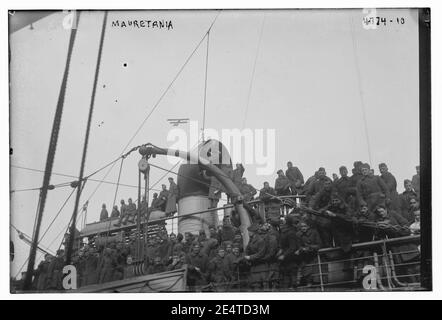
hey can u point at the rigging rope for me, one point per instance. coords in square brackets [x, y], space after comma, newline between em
[72, 176]
[150, 113]
[51, 155]
[86, 140]
[118, 183]
[50, 187]
[253, 71]
[115, 198]
[56, 216]
[205, 85]
[358, 72]
[170, 85]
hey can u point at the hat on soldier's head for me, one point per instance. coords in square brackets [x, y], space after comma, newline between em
[380, 206]
[279, 171]
[365, 165]
[382, 165]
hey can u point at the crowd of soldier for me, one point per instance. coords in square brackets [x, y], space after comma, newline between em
[281, 252]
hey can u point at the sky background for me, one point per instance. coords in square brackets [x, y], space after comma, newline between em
[315, 70]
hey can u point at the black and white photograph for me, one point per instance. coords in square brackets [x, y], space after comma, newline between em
[220, 150]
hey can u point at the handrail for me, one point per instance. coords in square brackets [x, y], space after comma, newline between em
[371, 243]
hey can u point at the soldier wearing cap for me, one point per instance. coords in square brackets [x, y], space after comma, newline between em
[267, 192]
[197, 263]
[406, 196]
[356, 173]
[115, 212]
[271, 238]
[391, 183]
[247, 190]
[55, 271]
[218, 270]
[178, 262]
[128, 213]
[412, 207]
[42, 273]
[282, 184]
[371, 190]
[104, 215]
[172, 198]
[416, 180]
[255, 252]
[320, 202]
[345, 188]
[156, 202]
[289, 244]
[310, 243]
[293, 173]
[341, 222]
[237, 240]
[238, 173]
[318, 184]
[123, 213]
[106, 266]
[89, 267]
[363, 233]
[164, 195]
[157, 266]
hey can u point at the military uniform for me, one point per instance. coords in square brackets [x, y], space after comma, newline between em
[115, 213]
[209, 246]
[415, 183]
[282, 186]
[197, 260]
[266, 194]
[391, 184]
[308, 268]
[247, 191]
[55, 273]
[89, 266]
[104, 215]
[237, 174]
[317, 185]
[404, 200]
[172, 199]
[256, 250]
[345, 189]
[106, 266]
[293, 174]
[42, 272]
[219, 273]
[341, 226]
[272, 246]
[163, 196]
[372, 191]
[323, 225]
[289, 243]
